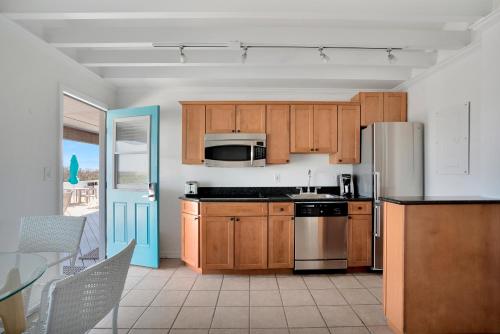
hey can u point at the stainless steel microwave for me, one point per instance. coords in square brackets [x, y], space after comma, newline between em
[235, 150]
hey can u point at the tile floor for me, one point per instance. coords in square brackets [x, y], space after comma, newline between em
[174, 299]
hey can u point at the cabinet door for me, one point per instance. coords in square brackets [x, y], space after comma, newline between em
[302, 128]
[395, 107]
[372, 108]
[251, 118]
[190, 239]
[221, 118]
[348, 136]
[193, 132]
[217, 235]
[278, 134]
[325, 128]
[359, 241]
[250, 243]
[281, 242]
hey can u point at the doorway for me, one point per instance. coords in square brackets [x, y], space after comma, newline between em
[83, 176]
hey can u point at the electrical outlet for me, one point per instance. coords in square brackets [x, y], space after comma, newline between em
[277, 178]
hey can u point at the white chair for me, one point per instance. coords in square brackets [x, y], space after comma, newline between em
[50, 236]
[77, 303]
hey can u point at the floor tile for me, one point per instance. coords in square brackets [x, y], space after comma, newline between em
[234, 298]
[151, 283]
[291, 283]
[124, 293]
[349, 330]
[358, 296]
[267, 317]
[338, 316]
[166, 273]
[188, 331]
[372, 315]
[236, 283]
[268, 330]
[328, 297]
[380, 330]
[194, 317]
[170, 298]
[370, 280]
[107, 331]
[157, 317]
[303, 316]
[127, 316]
[265, 298]
[138, 271]
[318, 282]
[377, 292]
[207, 283]
[148, 331]
[201, 298]
[296, 298]
[345, 281]
[231, 317]
[180, 283]
[229, 331]
[185, 272]
[131, 281]
[309, 331]
[139, 297]
[263, 283]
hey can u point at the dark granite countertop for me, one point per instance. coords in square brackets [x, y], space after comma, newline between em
[261, 194]
[422, 200]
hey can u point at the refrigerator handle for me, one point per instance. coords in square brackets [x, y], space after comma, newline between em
[376, 186]
[377, 221]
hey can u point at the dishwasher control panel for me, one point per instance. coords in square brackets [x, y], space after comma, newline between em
[321, 209]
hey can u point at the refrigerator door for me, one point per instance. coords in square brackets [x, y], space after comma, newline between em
[363, 172]
[378, 237]
[398, 159]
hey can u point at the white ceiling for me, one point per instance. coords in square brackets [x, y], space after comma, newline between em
[114, 39]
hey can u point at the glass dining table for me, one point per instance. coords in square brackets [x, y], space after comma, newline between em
[17, 272]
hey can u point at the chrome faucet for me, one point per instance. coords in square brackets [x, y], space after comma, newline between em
[309, 174]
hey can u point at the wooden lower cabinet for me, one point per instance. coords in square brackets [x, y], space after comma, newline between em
[190, 252]
[280, 246]
[359, 253]
[217, 242]
[250, 242]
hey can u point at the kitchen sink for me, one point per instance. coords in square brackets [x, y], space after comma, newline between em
[312, 196]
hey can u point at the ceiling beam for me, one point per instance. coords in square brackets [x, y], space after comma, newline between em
[314, 36]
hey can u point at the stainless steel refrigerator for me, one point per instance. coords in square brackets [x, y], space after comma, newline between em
[392, 164]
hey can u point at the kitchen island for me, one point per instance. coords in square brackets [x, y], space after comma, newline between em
[442, 264]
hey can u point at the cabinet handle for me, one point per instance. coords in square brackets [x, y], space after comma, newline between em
[292, 218]
[202, 160]
[237, 219]
[232, 219]
[196, 218]
[237, 130]
[288, 161]
[340, 160]
[360, 207]
[312, 149]
[282, 209]
[349, 217]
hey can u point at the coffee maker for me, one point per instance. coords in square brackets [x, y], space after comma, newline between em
[345, 183]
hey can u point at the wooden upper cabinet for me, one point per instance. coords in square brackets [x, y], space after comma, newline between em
[220, 118]
[349, 127]
[281, 242]
[372, 108]
[301, 128]
[250, 242]
[217, 242]
[359, 242]
[395, 107]
[251, 118]
[190, 239]
[193, 133]
[278, 134]
[325, 128]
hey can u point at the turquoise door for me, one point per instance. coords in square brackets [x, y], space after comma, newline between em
[132, 183]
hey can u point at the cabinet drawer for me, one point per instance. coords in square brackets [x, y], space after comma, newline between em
[234, 209]
[190, 207]
[360, 208]
[281, 209]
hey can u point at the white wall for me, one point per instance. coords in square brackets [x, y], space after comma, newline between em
[173, 174]
[31, 73]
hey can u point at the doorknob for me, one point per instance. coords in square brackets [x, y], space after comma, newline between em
[151, 196]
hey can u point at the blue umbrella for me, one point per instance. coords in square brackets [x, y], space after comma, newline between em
[73, 170]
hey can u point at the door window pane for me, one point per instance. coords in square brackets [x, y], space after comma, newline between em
[132, 170]
[132, 135]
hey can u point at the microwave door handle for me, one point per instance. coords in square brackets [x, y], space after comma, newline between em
[251, 154]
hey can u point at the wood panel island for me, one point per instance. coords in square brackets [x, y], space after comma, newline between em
[442, 264]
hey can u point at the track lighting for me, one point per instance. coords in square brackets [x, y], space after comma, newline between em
[182, 56]
[390, 57]
[244, 54]
[322, 55]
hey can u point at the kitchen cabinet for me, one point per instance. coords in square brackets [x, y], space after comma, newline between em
[359, 241]
[190, 239]
[382, 107]
[372, 108]
[349, 126]
[221, 118]
[251, 118]
[250, 244]
[193, 134]
[278, 133]
[217, 242]
[395, 106]
[313, 128]
[281, 242]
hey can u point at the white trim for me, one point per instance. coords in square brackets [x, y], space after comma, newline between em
[486, 21]
[456, 57]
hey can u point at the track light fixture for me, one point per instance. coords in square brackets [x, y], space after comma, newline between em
[244, 54]
[323, 55]
[390, 57]
[182, 56]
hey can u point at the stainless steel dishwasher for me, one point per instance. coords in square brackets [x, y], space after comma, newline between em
[320, 235]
